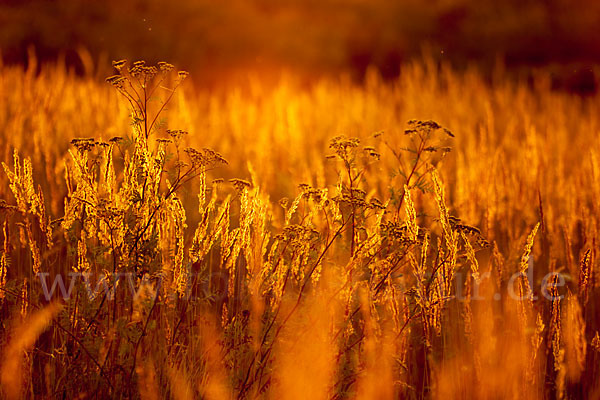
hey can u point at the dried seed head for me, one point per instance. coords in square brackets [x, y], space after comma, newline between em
[417, 126]
[176, 133]
[137, 68]
[84, 144]
[240, 184]
[119, 64]
[205, 157]
[165, 67]
[305, 187]
[116, 80]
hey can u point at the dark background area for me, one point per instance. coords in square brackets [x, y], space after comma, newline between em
[215, 38]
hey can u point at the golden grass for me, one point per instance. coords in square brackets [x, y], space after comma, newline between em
[339, 252]
[23, 338]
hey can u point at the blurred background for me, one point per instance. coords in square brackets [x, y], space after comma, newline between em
[216, 39]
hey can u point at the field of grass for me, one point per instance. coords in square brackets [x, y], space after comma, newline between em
[431, 237]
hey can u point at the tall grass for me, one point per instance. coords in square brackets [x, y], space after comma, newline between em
[349, 247]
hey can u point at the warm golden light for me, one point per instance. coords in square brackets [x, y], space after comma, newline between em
[309, 200]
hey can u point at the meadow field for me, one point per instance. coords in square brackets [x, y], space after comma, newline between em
[430, 237]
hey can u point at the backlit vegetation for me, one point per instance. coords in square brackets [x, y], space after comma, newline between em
[330, 241]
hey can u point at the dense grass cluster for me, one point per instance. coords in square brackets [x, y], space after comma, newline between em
[432, 237]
